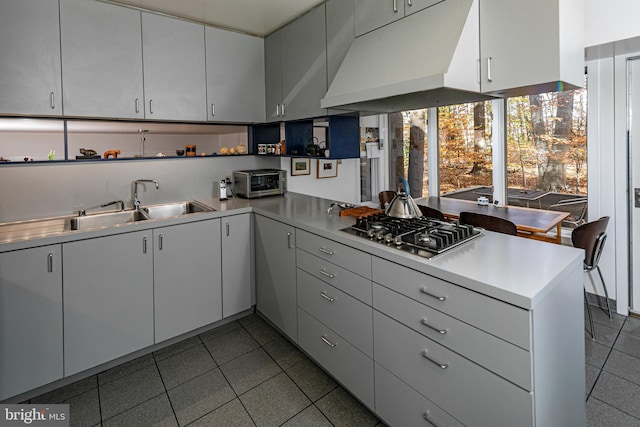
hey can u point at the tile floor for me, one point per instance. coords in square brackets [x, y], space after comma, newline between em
[245, 373]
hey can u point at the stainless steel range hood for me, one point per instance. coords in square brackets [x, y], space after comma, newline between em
[430, 58]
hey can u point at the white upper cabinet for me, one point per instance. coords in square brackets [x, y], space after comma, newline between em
[30, 81]
[372, 14]
[101, 60]
[516, 60]
[340, 33]
[296, 68]
[235, 76]
[174, 69]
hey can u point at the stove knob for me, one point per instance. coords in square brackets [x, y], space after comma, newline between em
[388, 237]
[397, 240]
[371, 233]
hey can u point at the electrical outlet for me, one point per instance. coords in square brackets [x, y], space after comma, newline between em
[636, 196]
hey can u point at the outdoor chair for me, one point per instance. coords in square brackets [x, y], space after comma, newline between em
[431, 213]
[385, 198]
[488, 222]
[577, 209]
[591, 237]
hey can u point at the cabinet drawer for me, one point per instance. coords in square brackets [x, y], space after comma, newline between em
[351, 283]
[474, 395]
[400, 405]
[344, 314]
[491, 315]
[352, 259]
[342, 360]
[501, 357]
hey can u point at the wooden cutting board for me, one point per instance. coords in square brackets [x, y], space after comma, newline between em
[360, 211]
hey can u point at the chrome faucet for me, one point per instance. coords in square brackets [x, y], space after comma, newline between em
[136, 201]
[83, 212]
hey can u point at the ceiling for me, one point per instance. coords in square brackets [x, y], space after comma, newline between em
[257, 17]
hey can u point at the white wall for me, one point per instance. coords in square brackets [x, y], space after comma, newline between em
[610, 20]
[43, 190]
[343, 188]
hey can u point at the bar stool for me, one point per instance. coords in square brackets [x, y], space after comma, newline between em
[591, 237]
[488, 222]
[431, 212]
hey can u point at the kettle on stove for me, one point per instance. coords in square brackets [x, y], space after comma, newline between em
[403, 205]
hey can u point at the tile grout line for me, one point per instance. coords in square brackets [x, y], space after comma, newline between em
[595, 382]
[164, 385]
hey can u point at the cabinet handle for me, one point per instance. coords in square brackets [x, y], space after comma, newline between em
[323, 250]
[329, 275]
[277, 110]
[327, 342]
[435, 362]
[137, 105]
[282, 109]
[160, 240]
[213, 109]
[289, 240]
[52, 100]
[439, 298]
[489, 76]
[144, 245]
[50, 263]
[438, 330]
[409, 3]
[228, 229]
[395, 6]
[426, 417]
[327, 297]
[151, 106]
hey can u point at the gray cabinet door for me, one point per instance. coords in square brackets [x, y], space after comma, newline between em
[174, 69]
[511, 58]
[108, 298]
[340, 34]
[273, 75]
[101, 60]
[235, 76]
[237, 264]
[276, 273]
[304, 65]
[30, 77]
[372, 14]
[31, 315]
[413, 6]
[187, 278]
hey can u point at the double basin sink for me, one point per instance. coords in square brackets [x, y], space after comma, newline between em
[51, 226]
[162, 211]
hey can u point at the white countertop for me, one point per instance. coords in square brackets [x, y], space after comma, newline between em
[513, 269]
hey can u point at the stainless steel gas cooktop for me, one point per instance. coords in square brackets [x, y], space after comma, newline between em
[422, 236]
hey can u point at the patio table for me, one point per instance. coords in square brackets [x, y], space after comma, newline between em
[517, 194]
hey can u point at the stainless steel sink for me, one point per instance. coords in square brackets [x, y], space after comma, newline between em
[170, 210]
[105, 219]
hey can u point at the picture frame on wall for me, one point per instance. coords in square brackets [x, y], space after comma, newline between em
[300, 166]
[327, 168]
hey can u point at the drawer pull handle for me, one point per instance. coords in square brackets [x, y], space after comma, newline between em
[438, 330]
[329, 275]
[327, 342]
[435, 362]
[426, 292]
[50, 262]
[426, 417]
[323, 250]
[327, 297]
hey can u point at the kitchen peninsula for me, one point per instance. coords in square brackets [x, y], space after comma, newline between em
[488, 333]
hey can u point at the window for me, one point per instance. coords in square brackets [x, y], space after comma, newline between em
[464, 142]
[547, 147]
[408, 152]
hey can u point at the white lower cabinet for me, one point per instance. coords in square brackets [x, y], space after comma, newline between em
[30, 319]
[237, 264]
[187, 277]
[473, 394]
[346, 363]
[108, 298]
[400, 405]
